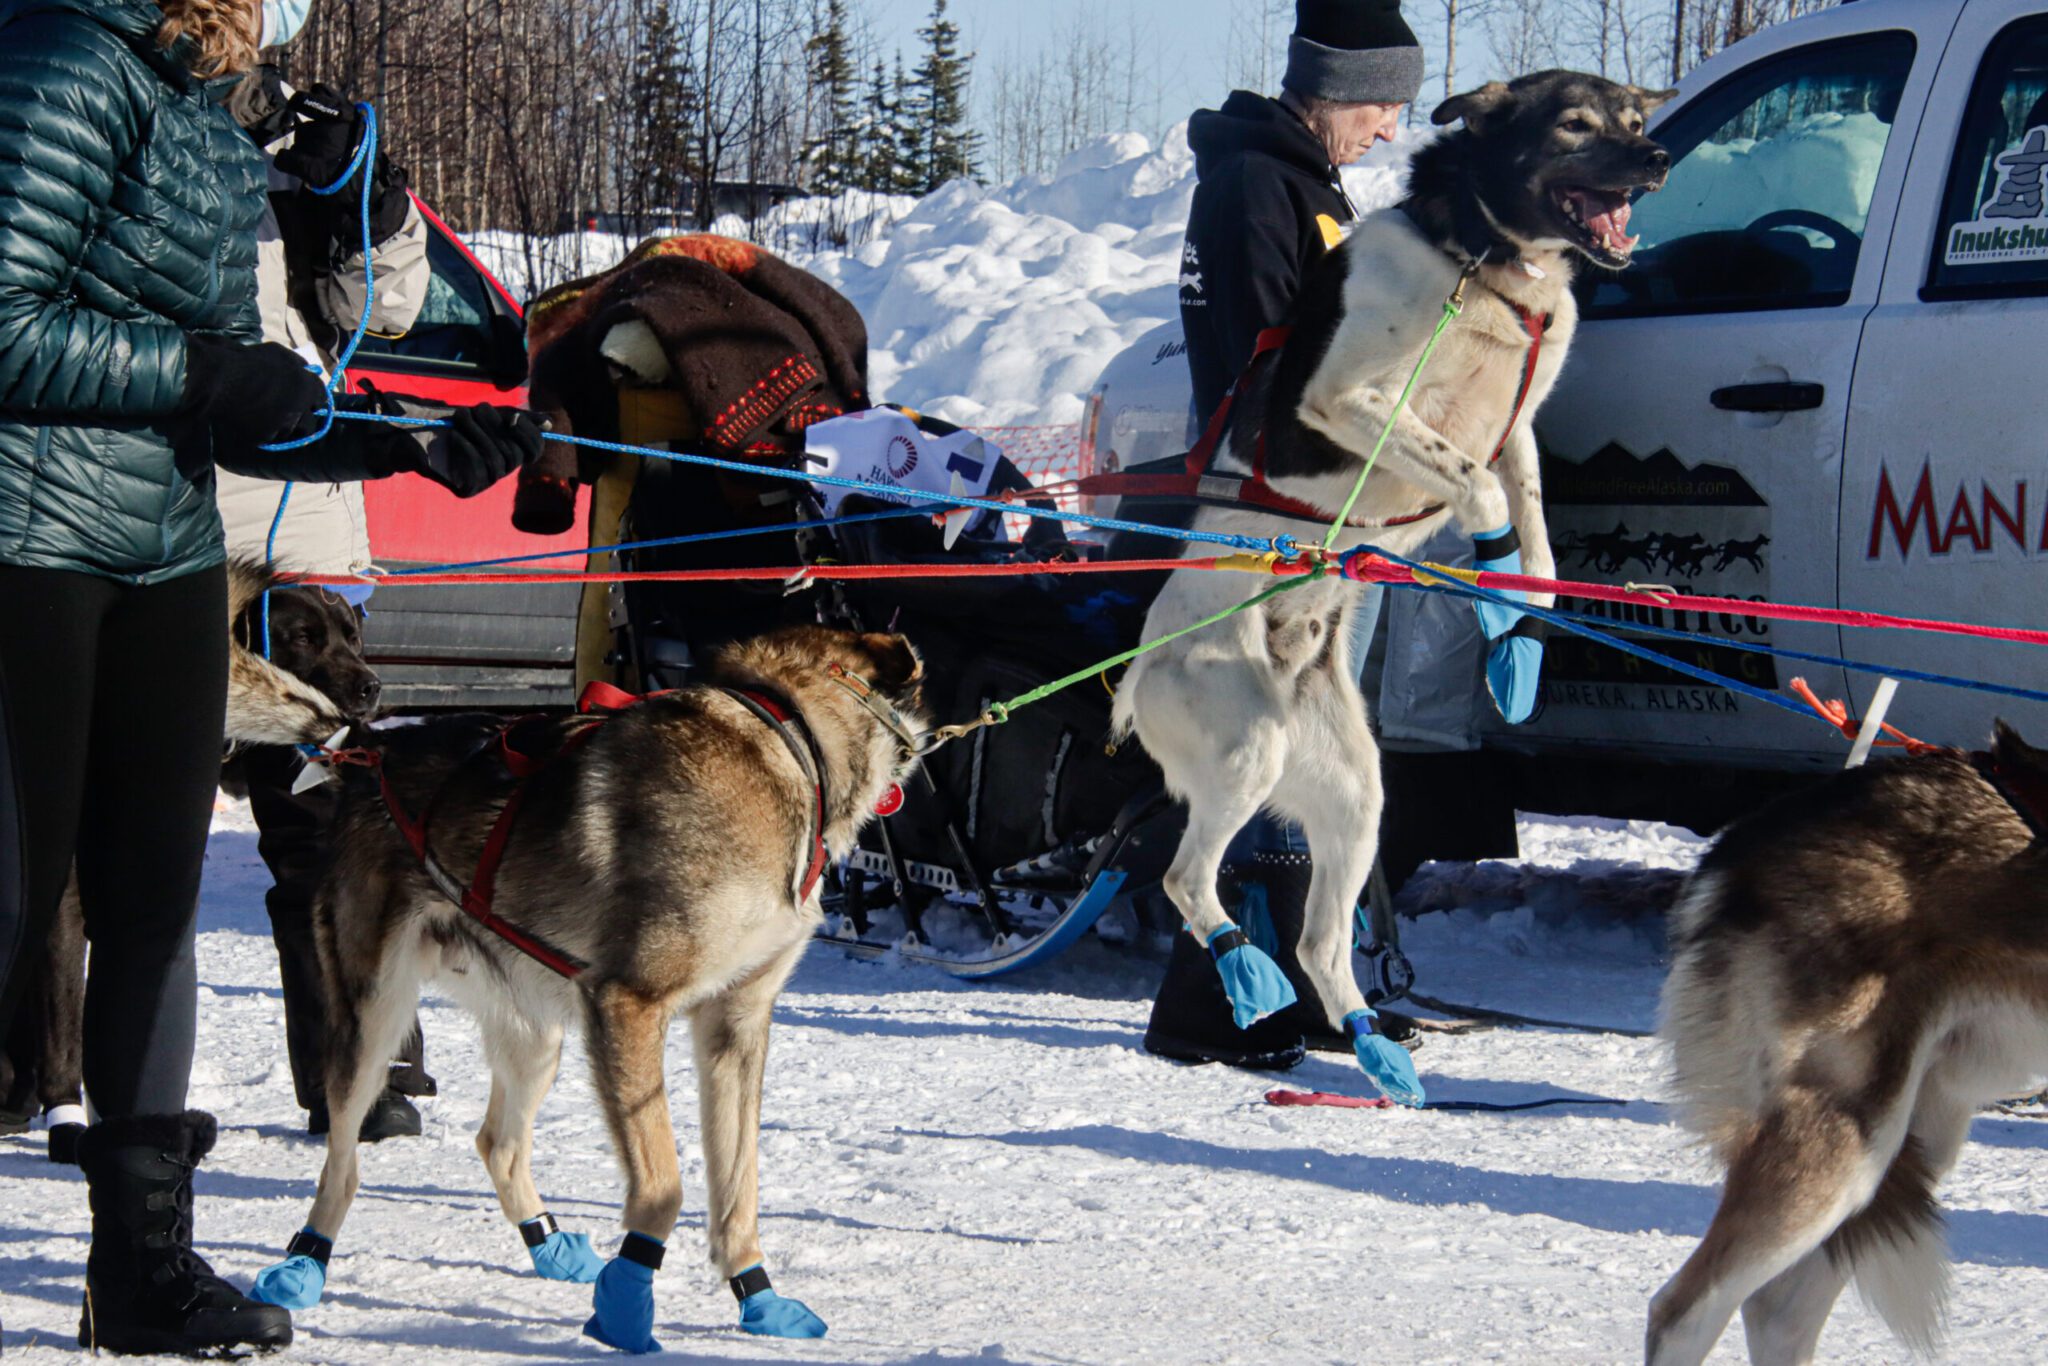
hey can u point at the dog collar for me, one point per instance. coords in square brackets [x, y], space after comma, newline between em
[780, 715]
[877, 705]
[1475, 243]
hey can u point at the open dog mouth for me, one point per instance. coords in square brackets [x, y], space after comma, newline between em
[1601, 219]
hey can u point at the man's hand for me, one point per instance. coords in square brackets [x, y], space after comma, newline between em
[480, 446]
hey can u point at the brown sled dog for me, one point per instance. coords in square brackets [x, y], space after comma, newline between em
[666, 855]
[314, 684]
[1856, 970]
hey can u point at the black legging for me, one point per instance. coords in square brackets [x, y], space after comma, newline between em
[115, 698]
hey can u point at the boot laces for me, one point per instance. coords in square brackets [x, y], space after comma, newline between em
[178, 1261]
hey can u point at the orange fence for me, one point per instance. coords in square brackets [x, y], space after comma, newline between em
[1044, 455]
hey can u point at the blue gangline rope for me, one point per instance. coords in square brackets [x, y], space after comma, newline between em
[1853, 665]
[1284, 545]
[1572, 621]
[1567, 620]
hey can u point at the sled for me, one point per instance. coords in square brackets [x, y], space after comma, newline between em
[1074, 885]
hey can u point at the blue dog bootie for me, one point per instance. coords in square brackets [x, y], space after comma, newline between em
[298, 1281]
[1253, 981]
[1384, 1061]
[623, 1302]
[560, 1256]
[769, 1315]
[1514, 661]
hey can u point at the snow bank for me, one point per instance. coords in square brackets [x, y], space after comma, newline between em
[993, 306]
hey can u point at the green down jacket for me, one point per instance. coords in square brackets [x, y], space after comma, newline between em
[129, 201]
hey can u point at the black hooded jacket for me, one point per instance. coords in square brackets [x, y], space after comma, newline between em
[1265, 187]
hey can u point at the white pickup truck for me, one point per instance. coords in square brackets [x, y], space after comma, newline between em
[1824, 380]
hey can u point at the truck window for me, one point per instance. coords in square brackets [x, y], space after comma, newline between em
[453, 333]
[1994, 237]
[1772, 175]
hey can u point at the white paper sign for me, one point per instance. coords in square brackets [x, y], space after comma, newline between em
[883, 449]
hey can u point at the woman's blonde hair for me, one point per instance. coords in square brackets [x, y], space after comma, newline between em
[225, 31]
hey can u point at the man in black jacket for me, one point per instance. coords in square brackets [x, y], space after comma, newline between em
[1268, 202]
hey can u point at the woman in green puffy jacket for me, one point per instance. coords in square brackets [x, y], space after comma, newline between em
[131, 365]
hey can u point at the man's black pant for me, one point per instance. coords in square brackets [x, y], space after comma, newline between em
[291, 838]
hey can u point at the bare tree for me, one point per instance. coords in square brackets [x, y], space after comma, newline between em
[1255, 44]
[1447, 22]
[1035, 108]
[1523, 34]
[1700, 28]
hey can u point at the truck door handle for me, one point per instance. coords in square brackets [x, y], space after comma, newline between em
[1783, 396]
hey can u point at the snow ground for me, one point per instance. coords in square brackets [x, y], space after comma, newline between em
[987, 306]
[998, 1173]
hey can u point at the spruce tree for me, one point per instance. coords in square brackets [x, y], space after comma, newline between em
[947, 145]
[665, 95]
[877, 135]
[907, 173]
[832, 157]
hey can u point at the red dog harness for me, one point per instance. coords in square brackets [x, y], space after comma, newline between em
[1196, 484]
[599, 702]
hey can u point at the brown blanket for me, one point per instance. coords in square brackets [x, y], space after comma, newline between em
[756, 349]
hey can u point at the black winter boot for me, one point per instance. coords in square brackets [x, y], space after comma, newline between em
[146, 1290]
[1286, 880]
[1192, 1019]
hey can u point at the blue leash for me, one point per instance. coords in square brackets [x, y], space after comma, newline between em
[1284, 545]
[366, 147]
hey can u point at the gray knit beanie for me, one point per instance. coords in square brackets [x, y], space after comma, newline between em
[1353, 52]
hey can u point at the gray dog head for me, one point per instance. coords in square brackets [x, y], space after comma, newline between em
[1547, 162]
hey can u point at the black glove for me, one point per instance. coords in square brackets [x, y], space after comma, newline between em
[238, 397]
[480, 446]
[327, 127]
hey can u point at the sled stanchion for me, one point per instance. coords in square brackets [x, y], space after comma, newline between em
[1873, 723]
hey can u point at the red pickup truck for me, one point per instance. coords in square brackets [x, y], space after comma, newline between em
[482, 647]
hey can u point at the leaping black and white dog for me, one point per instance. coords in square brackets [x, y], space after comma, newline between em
[1263, 709]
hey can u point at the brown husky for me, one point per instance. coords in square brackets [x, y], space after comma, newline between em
[664, 859]
[1856, 970]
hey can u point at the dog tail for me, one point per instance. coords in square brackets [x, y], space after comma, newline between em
[1896, 1250]
[1716, 1017]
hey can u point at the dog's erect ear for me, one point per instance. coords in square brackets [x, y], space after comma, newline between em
[1475, 107]
[1652, 100]
[2013, 752]
[896, 663]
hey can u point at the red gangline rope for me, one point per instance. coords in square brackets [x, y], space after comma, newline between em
[1373, 569]
[1366, 568]
[793, 573]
